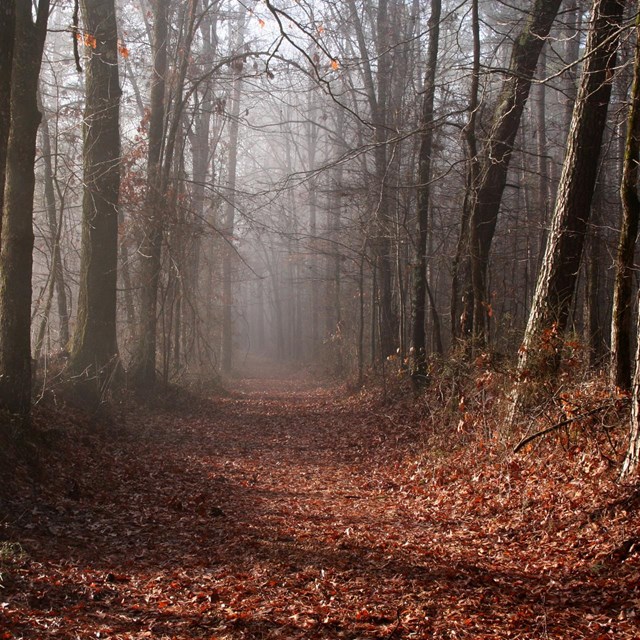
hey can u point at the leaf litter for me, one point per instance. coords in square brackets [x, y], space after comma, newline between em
[288, 510]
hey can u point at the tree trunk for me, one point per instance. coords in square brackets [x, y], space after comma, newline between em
[56, 276]
[572, 36]
[7, 35]
[557, 279]
[229, 249]
[377, 97]
[143, 367]
[203, 149]
[620, 372]
[17, 232]
[312, 143]
[632, 459]
[162, 146]
[506, 120]
[462, 301]
[592, 294]
[424, 193]
[544, 192]
[94, 354]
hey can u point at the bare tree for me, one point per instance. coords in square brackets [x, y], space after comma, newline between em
[420, 286]
[94, 353]
[557, 278]
[143, 368]
[228, 257]
[17, 215]
[498, 151]
[56, 277]
[7, 34]
[621, 323]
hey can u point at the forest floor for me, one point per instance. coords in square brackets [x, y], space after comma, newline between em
[289, 509]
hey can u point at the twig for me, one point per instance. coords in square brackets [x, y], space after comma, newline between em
[558, 425]
[397, 625]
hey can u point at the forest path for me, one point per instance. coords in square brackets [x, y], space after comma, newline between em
[281, 511]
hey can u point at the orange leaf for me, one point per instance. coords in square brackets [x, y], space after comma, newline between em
[335, 64]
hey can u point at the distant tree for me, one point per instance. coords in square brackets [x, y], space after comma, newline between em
[17, 216]
[56, 277]
[230, 212]
[94, 353]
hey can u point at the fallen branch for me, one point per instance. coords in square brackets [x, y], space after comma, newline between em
[558, 425]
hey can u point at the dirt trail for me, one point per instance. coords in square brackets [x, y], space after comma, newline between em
[282, 511]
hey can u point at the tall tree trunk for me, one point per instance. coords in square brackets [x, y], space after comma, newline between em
[94, 353]
[506, 120]
[127, 283]
[592, 290]
[377, 97]
[572, 35]
[557, 279]
[620, 371]
[424, 193]
[388, 315]
[462, 301]
[632, 459]
[7, 36]
[56, 282]
[544, 190]
[162, 148]
[17, 232]
[143, 370]
[260, 314]
[361, 318]
[203, 149]
[334, 255]
[229, 223]
[312, 142]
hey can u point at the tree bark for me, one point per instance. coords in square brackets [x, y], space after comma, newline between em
[228, 249]
[94, 353]
[17, 232]
[162, 145]
[56, 282]
[632, 459]
[7, 36]
[621, 322]
[377, 97]
[312, 143]
[497, 153]
[424, 193]
[462, 302]
[592, 291]
[143, 369]
[557, 279]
